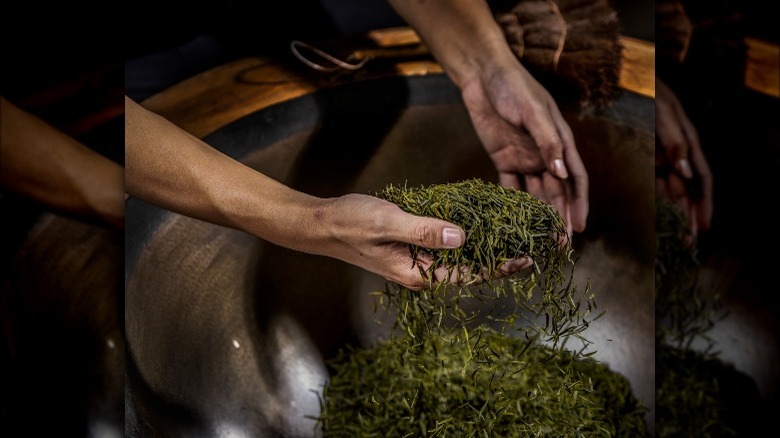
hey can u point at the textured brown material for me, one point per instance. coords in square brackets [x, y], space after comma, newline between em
[575, 42]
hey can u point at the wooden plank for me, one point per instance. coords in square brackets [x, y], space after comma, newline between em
[394, 37]
[762, 66]
[212, 99]
[637, 71]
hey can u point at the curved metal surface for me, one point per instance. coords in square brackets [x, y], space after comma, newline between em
[227, 334]
[60, 307]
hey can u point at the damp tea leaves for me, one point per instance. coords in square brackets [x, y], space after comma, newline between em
[501, 224]
[486, 385]
[480, 355]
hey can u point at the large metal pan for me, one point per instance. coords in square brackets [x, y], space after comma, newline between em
[227, 334]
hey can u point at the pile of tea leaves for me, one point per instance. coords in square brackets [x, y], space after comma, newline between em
[697, 393]
[486, 384]
[487, 358]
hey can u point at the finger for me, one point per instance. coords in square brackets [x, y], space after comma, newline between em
[411, 274]
[463, 276]
[672, 137]
[504, 270]
[579, 185]
[536, 186]
[693, 223]
[705, 199]
[420, 276]
[705, 202]
[423, 231]
[557, 195]
[541, 126]
[578, 193]
[679, 196]
[508, 179]
[454, 275]
[564, 130]
[704, 206]
[691, 137]
[513, 266]
[533, 184]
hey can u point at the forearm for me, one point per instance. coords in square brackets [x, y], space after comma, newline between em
[42, 163]
[462, 34]
[171, 168]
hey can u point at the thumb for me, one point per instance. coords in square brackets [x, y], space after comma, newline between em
[426, 232]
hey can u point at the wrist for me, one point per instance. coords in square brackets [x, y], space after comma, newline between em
[463, 35]
[105, 196]
[274, 212]
[481, 60]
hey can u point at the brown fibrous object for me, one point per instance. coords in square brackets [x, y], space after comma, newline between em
[573, 42]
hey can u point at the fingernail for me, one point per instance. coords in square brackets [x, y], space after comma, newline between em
[559, 168]
[450, 237]
[685, 168]
[517, 264]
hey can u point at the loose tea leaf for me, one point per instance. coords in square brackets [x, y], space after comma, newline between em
[501, 224]
[484, 359]
[436, 388]
[697, 393]
[684, 311]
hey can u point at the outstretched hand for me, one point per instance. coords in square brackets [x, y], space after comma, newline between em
[170, 168]
[526, 136]
[682, 173]
[375, 234]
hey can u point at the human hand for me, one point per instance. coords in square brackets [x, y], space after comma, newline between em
[171, 168]
[375, 234]
[525, 135]
[683, 176]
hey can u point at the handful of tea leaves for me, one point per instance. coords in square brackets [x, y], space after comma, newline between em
[483, 359]
[500, 223]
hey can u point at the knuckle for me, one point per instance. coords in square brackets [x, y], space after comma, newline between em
[424, 235]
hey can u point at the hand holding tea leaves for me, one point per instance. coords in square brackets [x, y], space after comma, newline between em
[376, 234]
[169, 167]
